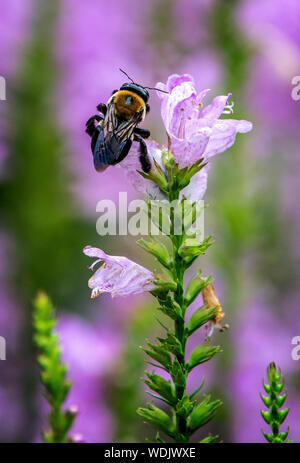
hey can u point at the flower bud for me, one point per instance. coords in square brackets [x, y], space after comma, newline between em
[168, 159]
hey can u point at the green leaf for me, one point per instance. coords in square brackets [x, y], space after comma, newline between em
[202, 354]
[157, 418]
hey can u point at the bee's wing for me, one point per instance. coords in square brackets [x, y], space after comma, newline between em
[112, 137]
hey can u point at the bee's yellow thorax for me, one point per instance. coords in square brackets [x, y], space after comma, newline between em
[127, 104]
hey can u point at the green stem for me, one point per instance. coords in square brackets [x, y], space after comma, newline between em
[169, 352]
[179, 325]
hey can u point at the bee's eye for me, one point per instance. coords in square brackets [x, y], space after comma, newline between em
[128, 100]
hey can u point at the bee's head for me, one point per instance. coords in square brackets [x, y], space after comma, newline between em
[138, 89]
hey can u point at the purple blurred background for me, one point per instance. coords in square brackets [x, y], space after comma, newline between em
[60, 59]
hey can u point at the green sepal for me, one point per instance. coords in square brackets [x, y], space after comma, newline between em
[274, 417]
[165, 280]
[171, 344]
[282, 414]
[161, 386]
[168, 159]
[177, 374]
[269, 437]
[198, 389]
[283, 435]
[191, 210]
[267, 388]
[209, 439]
[199, 318]
[157, 176]
[278, 387]
[52, 371]
[266, 416]
[272, 374]
[202, 414]
[280, 399]
[184, 175]
[157, 249]
[195, 287]
[185, 406]
[157, 418]
[191, 248]
[159, 354]
[159, 439]
[266, 400]
[169, 306]
[202, 354]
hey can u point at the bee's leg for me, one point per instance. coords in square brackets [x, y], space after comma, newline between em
[90, 124]
[102, 108]
[94, 137]
[144, 133]
[147, 108]
[144, 157]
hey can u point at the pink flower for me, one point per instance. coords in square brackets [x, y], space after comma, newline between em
[196, 131]
[117, 275]
[193, 192]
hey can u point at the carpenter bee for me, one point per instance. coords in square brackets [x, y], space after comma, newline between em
[112, 137]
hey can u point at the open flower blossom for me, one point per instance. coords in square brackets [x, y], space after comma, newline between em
[194, 132]
[117, 275]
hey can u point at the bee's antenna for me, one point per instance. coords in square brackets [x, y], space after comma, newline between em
[149, 88]
[158, 89]
[126, 75]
